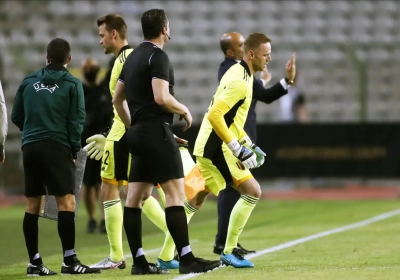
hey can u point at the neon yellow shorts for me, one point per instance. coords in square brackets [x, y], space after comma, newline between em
[116, 162]
[221, 171]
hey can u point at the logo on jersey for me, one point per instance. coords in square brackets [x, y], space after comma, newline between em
[39, 86]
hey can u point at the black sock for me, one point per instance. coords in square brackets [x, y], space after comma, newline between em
[175, 217]
[227, 199]
[66, 231]
[133, 231]
[31, 233]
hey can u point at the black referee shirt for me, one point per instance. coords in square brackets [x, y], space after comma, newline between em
[145, 63]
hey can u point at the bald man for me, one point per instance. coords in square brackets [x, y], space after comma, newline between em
[98, 116]
[232, 46]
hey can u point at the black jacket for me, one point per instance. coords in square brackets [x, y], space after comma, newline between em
[266, 95]
[99, 111]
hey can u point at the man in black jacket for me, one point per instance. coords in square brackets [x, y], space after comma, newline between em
[49, 109]
[98, 115]
[3, 125]
[232, 46]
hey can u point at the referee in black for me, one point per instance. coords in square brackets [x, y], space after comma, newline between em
[49, 109]
[148, 80]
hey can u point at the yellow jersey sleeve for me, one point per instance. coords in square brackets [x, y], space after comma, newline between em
[118, 127]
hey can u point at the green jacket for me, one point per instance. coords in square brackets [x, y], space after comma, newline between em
[50, 105]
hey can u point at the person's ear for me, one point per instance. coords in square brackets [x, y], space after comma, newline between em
[251, 54]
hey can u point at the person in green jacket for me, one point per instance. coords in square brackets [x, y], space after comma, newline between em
[49, 109]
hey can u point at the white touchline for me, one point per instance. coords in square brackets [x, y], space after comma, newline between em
[378, 218]
[151, 251]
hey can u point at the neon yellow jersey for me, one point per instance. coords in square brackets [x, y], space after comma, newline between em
[118, 127]
[236, 91]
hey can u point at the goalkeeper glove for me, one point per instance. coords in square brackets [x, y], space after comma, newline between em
[96, 145]
[245, 155]
[245, 141]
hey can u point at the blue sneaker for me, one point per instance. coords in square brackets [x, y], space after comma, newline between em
[235, 259]
[172, 264]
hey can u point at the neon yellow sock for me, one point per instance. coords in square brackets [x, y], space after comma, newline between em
[152, 209]
[113, 216]
[190, 210]
[168, 249]
[239, 216]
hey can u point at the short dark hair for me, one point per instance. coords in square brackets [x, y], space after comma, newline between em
[254, 40]
[114, 22]
[153, 21]
[58, 51]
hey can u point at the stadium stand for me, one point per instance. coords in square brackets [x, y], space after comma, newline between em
[345, 49]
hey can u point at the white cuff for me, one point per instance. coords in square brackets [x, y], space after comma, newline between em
[264, 82]
[284, 84]
[234, 145]
[245, 141]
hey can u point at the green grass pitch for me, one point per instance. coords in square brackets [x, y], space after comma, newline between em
[368, 252]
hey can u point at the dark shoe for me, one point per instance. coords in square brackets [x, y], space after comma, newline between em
[199, 265]
[38, 270]
[103, 228]
[244, 251]
[92, 225]
[150, 269]
[218, 249]
[78, 268]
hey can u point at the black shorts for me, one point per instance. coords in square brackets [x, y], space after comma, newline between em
[155, 153]
[121, 158]
[91, 177]
[48, 168]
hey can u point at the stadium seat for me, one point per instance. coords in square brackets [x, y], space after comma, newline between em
[323, 33]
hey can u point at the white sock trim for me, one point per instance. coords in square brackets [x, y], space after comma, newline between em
[139, 252]
[186, 250]
[69, 253]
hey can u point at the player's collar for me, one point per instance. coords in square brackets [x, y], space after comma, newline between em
[145, 41]
[56, 67]
[245, 66]
[123, 48]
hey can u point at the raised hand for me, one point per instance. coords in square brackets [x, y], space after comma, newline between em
[291, 68]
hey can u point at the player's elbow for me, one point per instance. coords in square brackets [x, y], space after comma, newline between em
[118, 100]
[160, 99]
[210, 117]
[213, 116]
[115, 100]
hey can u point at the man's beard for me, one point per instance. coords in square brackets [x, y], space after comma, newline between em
[108, 50]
